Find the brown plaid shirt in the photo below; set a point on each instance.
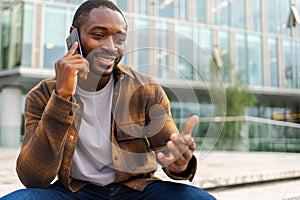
(141, 126)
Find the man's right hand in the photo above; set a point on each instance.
(66, 70)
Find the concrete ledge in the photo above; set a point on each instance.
(215, 169)
(222, 169)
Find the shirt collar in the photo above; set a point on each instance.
(120, 70)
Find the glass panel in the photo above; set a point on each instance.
(76, 2)
(288, 63)
(142, 6)
(298, 9)
(255, 60)
(166, 8)
(55, 35)
(203, 57)
(277, 13)
(272, 13)
(237, 13)
(224, 52)
(220, 12)
(255, 15)
(11, 35)
(273, 62)
(122, 5)
(162, 54)
(182, 12)
(26, 59)
(185, 52)
(241, 58)
(298, 65)
(200, 11)
(142, 45)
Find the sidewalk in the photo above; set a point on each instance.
(216, 169)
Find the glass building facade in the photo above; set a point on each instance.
(174, 41)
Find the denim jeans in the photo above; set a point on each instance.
(157, 190)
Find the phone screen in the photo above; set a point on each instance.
(71, 39)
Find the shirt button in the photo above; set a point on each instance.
(71, 113)
(116, 158)
(71, 137)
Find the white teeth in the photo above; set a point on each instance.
(105, 59)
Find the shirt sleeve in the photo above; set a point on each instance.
(160, 130)
(47, 120)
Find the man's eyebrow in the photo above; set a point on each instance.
(106, 29)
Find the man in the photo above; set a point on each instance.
(101, 127)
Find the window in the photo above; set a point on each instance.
(255, 67)
(255, 15)
(142, 6)
(166, 8)
(55, 35)
(27, 35)
(163, 52)
(11, 33)
(122, 5)
(273, 62)
(237, 11)
(249, 59)
(288, 63)
(203, 56)
(220, 12)
(277, 12)
(200, 11)
(185, 46)
(224, 52)
(142, 44)
(241, 58)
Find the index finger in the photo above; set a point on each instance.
(189, 125)
(73, 49)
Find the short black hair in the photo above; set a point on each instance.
(86, 7)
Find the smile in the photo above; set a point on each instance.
(105, 59)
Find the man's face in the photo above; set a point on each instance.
(103, 40)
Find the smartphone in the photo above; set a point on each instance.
(72, 38)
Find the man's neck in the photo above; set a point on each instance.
(93, 83)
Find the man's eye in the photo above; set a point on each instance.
(98, 35)
(119, 40)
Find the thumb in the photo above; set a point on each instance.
(189, 125)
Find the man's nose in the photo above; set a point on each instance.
(108, 44)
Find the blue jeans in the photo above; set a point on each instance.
(157, 190)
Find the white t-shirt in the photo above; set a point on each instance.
(92, 160)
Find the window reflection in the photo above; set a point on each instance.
(277, 12)
(184, 35)
(122, 4)
(166, 8)
(288, 63)
(297, 65)
(27, 35)
(224, 51)
(142, 6)
(241, 58)
(204, 50)
(220, 12)
(255, 60)
(55, 35)
(255, 15)
(162, 53)
(11, 36)
(200, 11)
(141, 52)
(273, 62)
(237, 11)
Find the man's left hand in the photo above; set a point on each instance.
(181, 148)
